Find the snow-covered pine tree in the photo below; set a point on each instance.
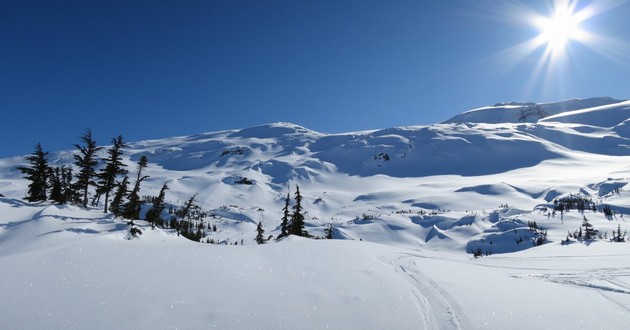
(184, 212)
(297, 218)
(154, 214)
(113, 168)
(86, 162)
(37, 172)
(589, 231)
(116, 206)
(284, 224)
(260, 239)
(132, 207)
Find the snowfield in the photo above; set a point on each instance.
(433, 229)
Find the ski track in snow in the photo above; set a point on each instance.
(607, 281)
(439, 310)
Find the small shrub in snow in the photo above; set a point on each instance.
(607, 212)
(134, 231)
(618, 236)
(381, 155)
(328, 232)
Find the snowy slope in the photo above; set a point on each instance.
(408, 206)
(70, 268)
(519, 112)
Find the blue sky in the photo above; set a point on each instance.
(153, 69)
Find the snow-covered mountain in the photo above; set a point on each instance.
(528, 112)
(409, 206)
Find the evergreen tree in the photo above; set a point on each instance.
(154, 214)
(297, 218)
(132, 208)
(589, 231)
(284, 225)
(184, 212)
(37, 172)
(116, 206)
(86, 161)
(56, 189)
(113, 168)
(260, 239)
(69, 194)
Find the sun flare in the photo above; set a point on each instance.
(558, 30)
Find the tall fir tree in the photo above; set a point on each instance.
(116, 207)
(113, 168)
(154, 214)
(37, 172)
(260, 239)
(284, 224)
(297, 218)
(86, 162)
(132, 207)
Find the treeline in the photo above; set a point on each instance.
(65, 184)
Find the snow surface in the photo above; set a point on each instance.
(408, 205)
(513, 112)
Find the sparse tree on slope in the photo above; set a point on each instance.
(184, 212)
(297, 218)
(589, 231)
(618, 236)
(37, 172)
(132, 208)
(116, 206)
(113, 168)
(260, 239)
(154, 214)
(86, 161)
(284, 225)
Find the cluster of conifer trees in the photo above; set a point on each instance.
(292, 223)
(61, 185)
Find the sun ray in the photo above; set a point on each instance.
(564, 26)
(554, 54)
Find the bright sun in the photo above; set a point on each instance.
(563, 26)
(558, 35)
(559, 29)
